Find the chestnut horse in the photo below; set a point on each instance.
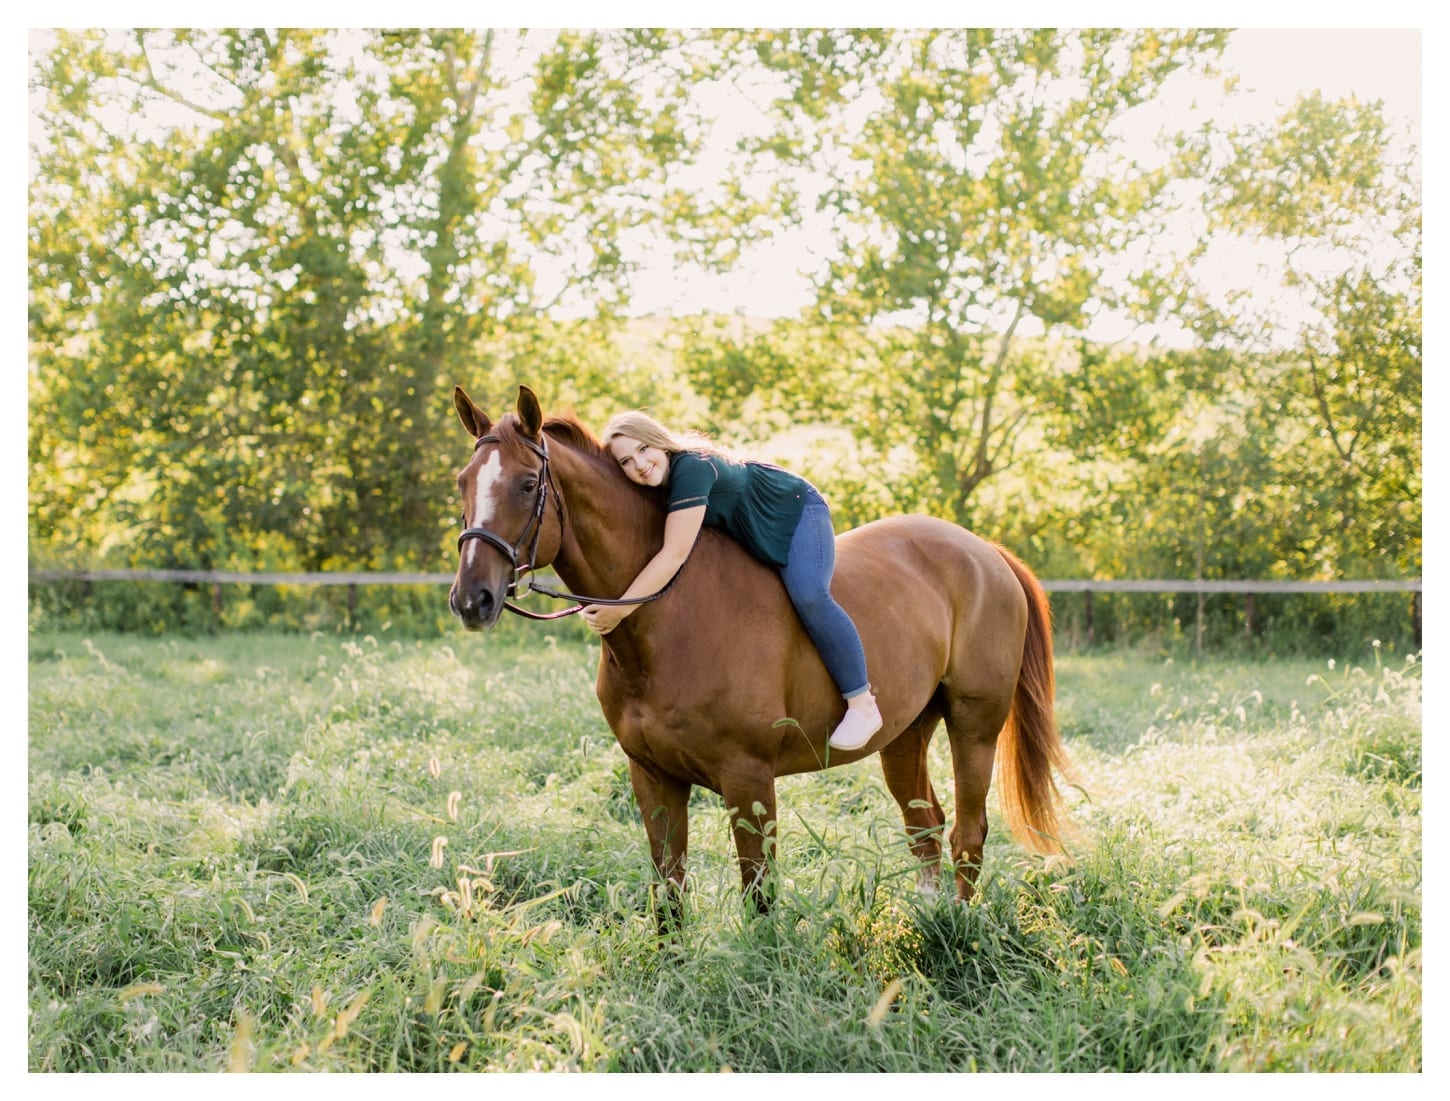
(717, 683)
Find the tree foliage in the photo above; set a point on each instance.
(985, 213)
(250, 292)
(1336, 386)
(977, 195)
(259, 260)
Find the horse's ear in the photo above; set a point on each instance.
(474, 419)
(531, 415)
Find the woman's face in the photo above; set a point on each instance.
(649, 466)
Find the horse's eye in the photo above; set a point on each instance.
(529, 485)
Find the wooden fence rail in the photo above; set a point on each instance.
(1066, 585)
(224, 577)
(1086, 586)
(1074, 585)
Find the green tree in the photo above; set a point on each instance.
(977, 196)
(1336, 372)
(260, 259)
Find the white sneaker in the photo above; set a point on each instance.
(857, 727)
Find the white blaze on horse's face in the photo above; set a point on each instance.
(487, 486)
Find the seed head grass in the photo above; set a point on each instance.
(291, 853)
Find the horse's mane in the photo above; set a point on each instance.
(566, 428)
(572, 431)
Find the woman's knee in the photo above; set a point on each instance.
(821, 614)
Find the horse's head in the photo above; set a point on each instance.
(505, 491)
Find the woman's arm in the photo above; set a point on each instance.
(681, 529)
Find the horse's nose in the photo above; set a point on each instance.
(474, 605)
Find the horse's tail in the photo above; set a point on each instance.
(1030, 747)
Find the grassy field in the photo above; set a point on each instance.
(305, 854)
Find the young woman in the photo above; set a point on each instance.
(778, 517)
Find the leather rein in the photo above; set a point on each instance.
(536, 524)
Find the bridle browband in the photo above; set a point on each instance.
(536, 523)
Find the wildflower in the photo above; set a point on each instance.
(453, 798)
(435, 767)
(436, 861)
(136, 990)
(883, 1003)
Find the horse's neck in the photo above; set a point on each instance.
(614, 528)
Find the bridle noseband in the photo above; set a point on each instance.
(536, 524)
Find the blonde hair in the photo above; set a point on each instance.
(639, 426)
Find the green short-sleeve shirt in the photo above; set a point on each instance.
(758, 504)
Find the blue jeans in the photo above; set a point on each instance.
(807, 577)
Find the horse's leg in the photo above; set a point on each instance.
(750, 797)
(904, 765)
(972, 726)
(664, 801)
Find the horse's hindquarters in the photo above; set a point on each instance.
(917, 586)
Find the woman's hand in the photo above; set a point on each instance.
(603, 617)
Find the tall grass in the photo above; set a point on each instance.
(289, 853)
